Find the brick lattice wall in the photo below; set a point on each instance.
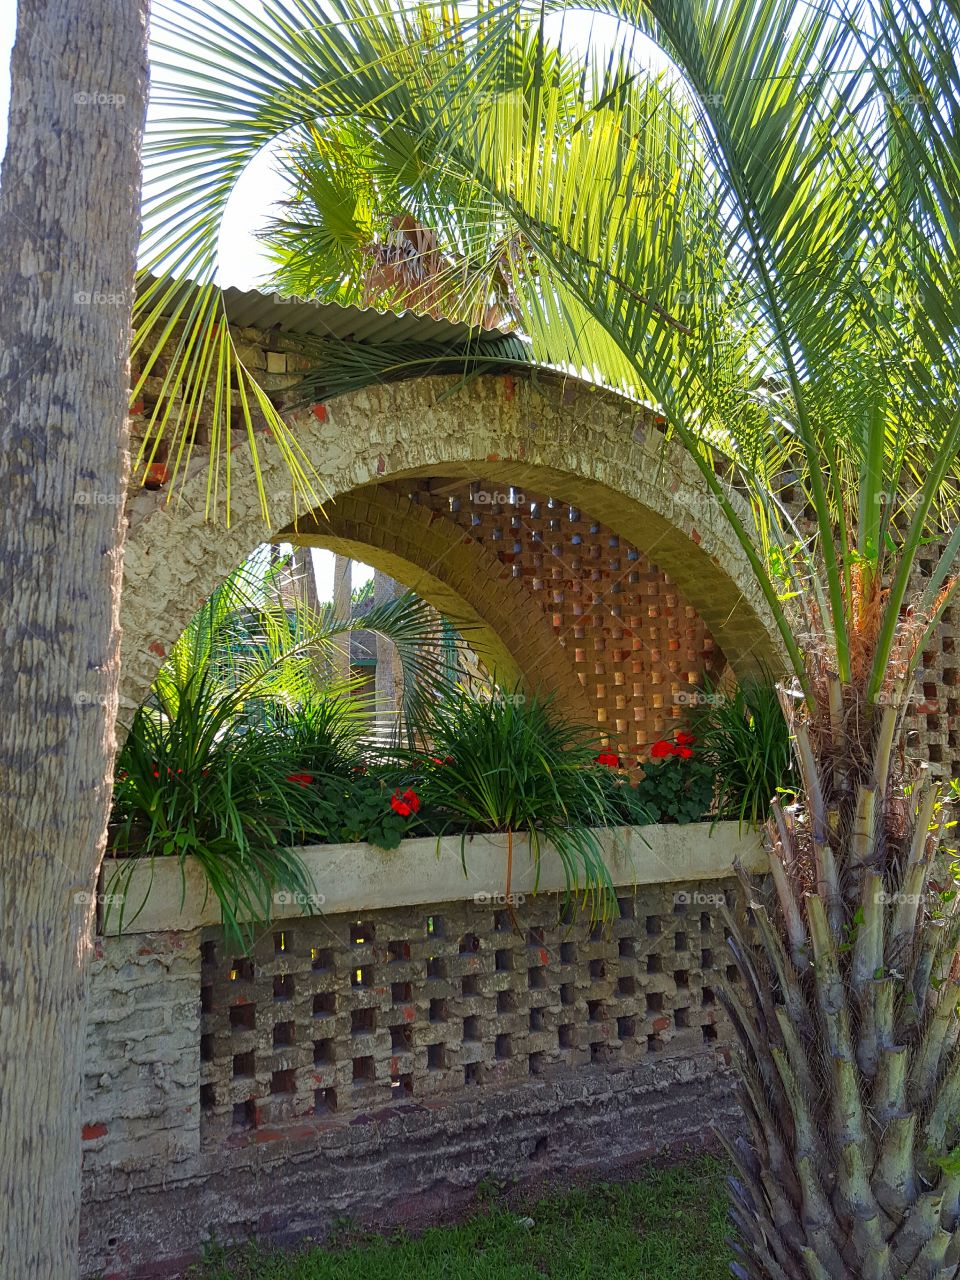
(348, 1063)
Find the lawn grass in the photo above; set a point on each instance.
(670, 1224)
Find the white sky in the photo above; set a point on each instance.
(242, 261)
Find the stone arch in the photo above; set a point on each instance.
(586, 446)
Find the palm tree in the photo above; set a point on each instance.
(68, 234)
(744, 215)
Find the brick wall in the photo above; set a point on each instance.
(362, 1066)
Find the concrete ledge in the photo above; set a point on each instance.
(361, 877)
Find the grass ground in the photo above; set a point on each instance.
(669, 1224)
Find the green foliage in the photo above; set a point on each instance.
(360, 809)
(744, 738)
(510, 762)
(188, 785)
(669, 1224)
(676, 789)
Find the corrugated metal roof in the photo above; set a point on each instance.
(271, 311)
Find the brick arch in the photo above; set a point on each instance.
(457, 575)
(589, 448)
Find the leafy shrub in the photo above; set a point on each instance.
(677, 783)
(743, 737)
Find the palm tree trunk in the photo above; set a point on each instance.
(342, 608)
(68, 233)
(847, 1024)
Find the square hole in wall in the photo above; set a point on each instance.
(206, 999)
(208, 1097)
(536, 978)
(681, 1017)
(401, 1083)
(596, 1011)
(399, 949)
(503, 960)
(627, 948)
(709, 1034)
(325, 1004)
(470, 985)
(506, 1002)
(654, 1002)
(401, 992)
(242, 970)
(324, 1051)
(469, 943)
(626, 1028)
(706, 959)
(401, 1038)
(596, 931)
(283, 1081)
(732, 972)
(705, 922)
(501, 921)
(654, 926)
(503, 1047)
(471, 1028)
(537, 1063)
(436, 1057)
(364, 1070)
(244, 1114)
(321, 958)
(243, 1017)
(363, 1021)
(435, 926)
(599, 1051)
(682, 978)
(626, 986)
(471, 1073)
(436, 968)
(654, 964)
(244, 1064)
(438, 1011)
(282, 942)
(361, 977)
(680, 942)
(537, 1019)
(324, 1101)
(598, 969)
(283, 1034)
(283, 986)
(206, 1048)
(568, 953)
(208, 952)
(708, 997)
(568, 993)
(628, 908)
(566, 1036)
(653, 1044)
(362, 932)
(535, 937)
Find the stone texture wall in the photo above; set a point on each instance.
(362, 1066)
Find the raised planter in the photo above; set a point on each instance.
(361, 877)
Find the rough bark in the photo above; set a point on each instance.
(69, 225)
(342, 608)
(387, 682)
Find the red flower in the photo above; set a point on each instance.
(660, 750)
(437, 760)
(405, 802)
(685, 739)
(303, 778)
(683, 752)
(609, 758)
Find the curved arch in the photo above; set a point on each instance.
(460, 578)
(588, 447)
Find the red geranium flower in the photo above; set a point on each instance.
(303, 778)
(405, 802)
(660, 750)
(609, 758)
(686, 739)
(683, 752)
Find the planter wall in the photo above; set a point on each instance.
(381, 1059)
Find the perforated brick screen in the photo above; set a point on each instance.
(331, 1017)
